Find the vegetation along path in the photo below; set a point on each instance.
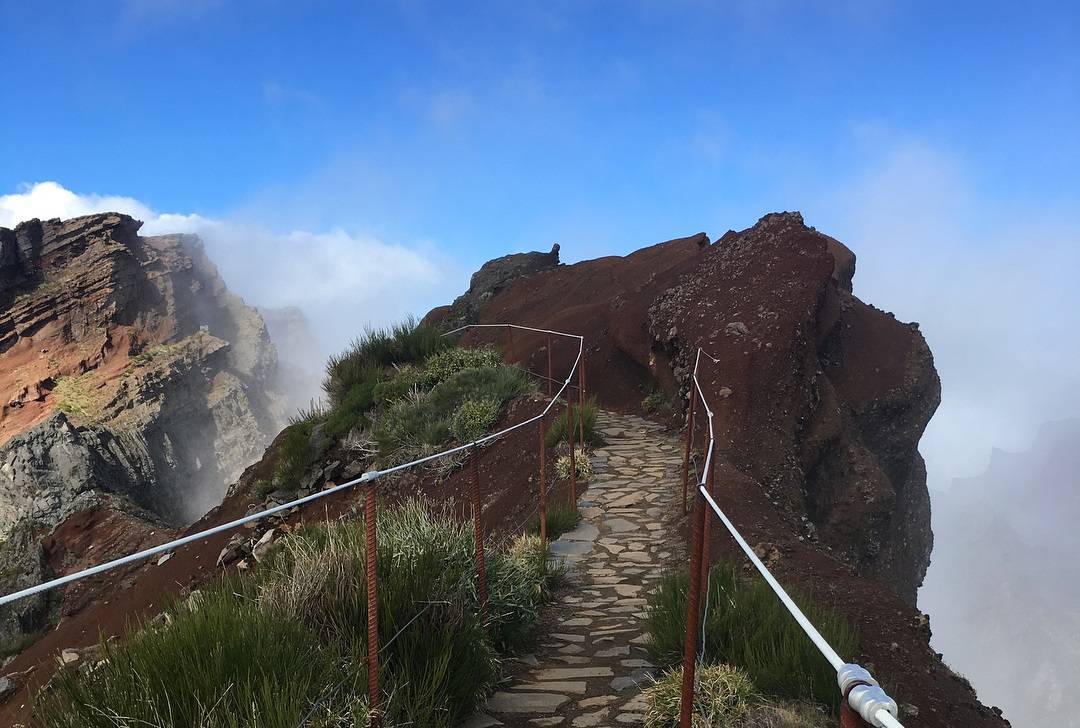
(591, 659)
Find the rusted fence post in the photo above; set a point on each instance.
(372, 603)
(849, 718)
(509, 340)
(543, 485)
(689, 445)
(686, 707)
(478, 534)
(581, 398)
(570, 439)
(706, 557)
(549, 378)
(706, 477)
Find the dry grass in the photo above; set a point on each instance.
(725, 698)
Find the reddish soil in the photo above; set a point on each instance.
(605, 300)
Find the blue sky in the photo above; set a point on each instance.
(604, 125)
(938, 140)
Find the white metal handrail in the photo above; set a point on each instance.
(862, 691)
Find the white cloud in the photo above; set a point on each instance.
(343, 281)
(993, 289)
(46, 200)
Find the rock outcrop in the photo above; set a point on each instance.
(820, 401)
(493, 277)
(129, 374)
(829, 396)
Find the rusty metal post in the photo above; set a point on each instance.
(581, 398)
(372, 603)
(689, 446)
(478, 534)
(549, 377)
(707, 479)
(509, 341)
(706, 558)
(849, 718)
(692, 600)
(543, 486)
(570, 439)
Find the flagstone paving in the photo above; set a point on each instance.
(591, 662)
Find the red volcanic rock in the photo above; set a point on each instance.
(819, 399)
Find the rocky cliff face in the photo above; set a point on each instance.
(826, 397)
(130, 379)
(159, 371)
(820, 401)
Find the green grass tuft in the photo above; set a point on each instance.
(582, 465)
(656, 402)
(747, 627)
(556, 432)
(725, 698)
(402, 343)
(285, 645)
(562, 516)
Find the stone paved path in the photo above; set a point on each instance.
(589, 664)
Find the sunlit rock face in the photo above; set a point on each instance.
(130, 378)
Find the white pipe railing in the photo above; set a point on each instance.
(367, 477)
(863, 693)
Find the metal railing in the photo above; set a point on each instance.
(371, 477)
(863, 701)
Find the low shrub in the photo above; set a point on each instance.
(352, 411)
(556, 432)
(419, 423)
(655, 403)
(473, 418)
(404, 379)
(295, 455)
(442, 365)
(500, 383)
(747, 627)
(561, 516)
(723, 698)
(582, 464)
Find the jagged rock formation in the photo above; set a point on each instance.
(822, 398)
(820, 403)
(128, 374)
(493, 277)
(828, 395)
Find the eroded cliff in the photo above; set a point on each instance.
(131, 379)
